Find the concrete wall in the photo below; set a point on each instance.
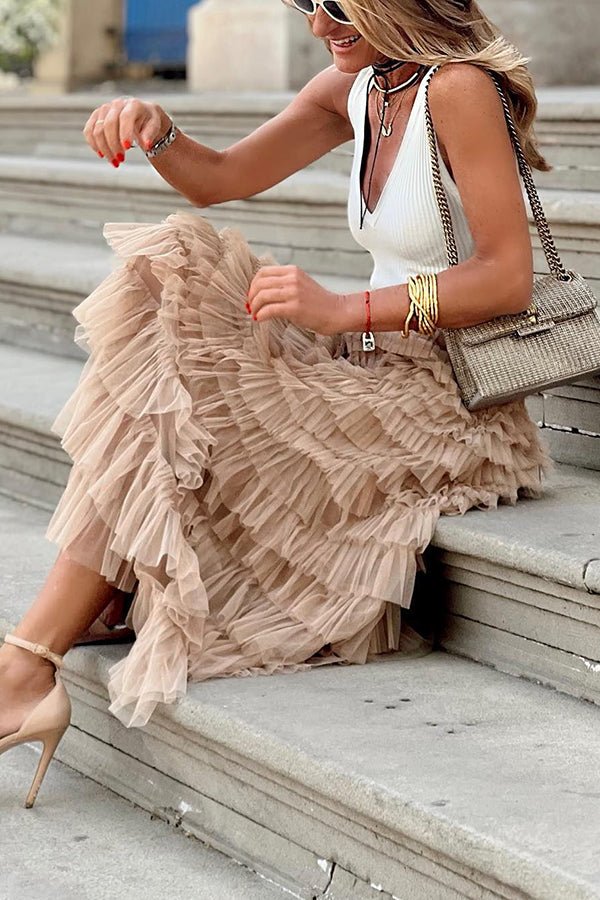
(263, 47)
(560, 36)
(88, 45)
(266, 46)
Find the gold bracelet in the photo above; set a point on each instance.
(430, 313)
(412, 289)
(422, 291)
(418, 303)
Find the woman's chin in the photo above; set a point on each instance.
(348, 61)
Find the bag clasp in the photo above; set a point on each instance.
(534, 326)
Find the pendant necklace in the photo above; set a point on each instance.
(385, 130)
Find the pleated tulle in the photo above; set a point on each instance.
(266, 492)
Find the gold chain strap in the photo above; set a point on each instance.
(552, 256)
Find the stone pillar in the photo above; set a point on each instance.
(560, 36)
(88, 46)
(251, 45)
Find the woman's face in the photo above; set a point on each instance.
(348, 59)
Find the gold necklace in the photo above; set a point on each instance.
(387, 130)
(383, 129)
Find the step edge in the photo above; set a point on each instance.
(492, 857)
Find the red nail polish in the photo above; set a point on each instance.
(101, 155)
(255, 319)
(115, 163)
(248, 308)
(126, 145)
(148, 144)
(121, 157)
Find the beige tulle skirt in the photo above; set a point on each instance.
(266, 493)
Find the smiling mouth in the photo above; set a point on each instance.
(345, 42)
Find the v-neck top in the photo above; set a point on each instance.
(404, 233)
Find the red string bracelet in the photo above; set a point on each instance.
(368, 338)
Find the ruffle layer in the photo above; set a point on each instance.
(268, 492)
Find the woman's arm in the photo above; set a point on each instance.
(312, 124)
(498, 279)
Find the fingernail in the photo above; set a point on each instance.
(255, 319)
(248, 308)
(121, 157)
(126, 145)
(101, 155)
(148, 144)
(115, 163)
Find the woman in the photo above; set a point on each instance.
(259, 478)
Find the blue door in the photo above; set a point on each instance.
(156, 31)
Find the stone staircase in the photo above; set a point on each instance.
(413, 780)
(59, 850)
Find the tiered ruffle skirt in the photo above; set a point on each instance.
(265, 492)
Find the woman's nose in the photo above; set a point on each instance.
(322, 25)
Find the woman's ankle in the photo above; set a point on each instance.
(20, 667)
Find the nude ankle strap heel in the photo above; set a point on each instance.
(47, 722)
(39, 649)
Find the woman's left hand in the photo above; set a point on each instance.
(287, 292)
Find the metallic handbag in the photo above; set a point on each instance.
(555, 341)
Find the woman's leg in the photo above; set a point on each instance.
(72, 597)
(110, 625)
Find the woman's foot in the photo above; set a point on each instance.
(25, 679)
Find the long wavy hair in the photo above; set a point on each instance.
(436, 32)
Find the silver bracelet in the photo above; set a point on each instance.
(163, 142)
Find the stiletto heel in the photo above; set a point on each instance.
(47, 722)
(51, 742)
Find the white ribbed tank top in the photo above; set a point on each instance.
(404, 233)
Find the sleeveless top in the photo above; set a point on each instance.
(404, 233)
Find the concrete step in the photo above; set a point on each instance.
(568, 127)
(291, 220)
(74, 823)
(426, 777)
(33, 386)
(42, 280)
(52, 126)
(520, 587)
(303, 220)
(570, 419)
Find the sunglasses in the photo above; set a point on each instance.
(331, 7)
(335, 11)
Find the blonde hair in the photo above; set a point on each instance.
(436, 32)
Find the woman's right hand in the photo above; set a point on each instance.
(116, 127)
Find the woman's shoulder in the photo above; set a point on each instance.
(336, 87)
(463, 99)
(455, 85)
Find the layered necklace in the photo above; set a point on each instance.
(385, 130)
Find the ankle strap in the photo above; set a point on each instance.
(35, 648)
